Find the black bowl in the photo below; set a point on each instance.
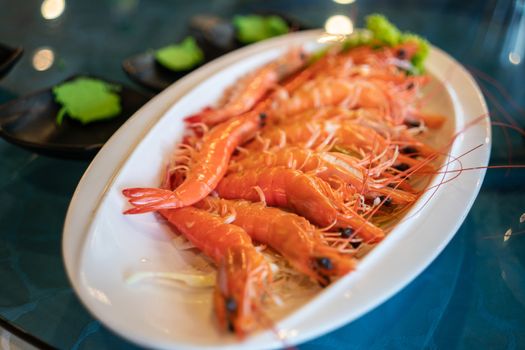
(30, 122)
(8, 57)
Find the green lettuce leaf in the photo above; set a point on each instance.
(422, 52)
(87, 100)
(382, 30)
(255, 28)
(359, 37)
(180, 57)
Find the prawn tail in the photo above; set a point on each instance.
(167, 204)
(139, 210)
(137, 192)
(150, 199)
(198, 117)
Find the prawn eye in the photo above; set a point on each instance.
(325, 263)
(409, 150)
(355, 243)
(346, 232)
(401, 166)
(386, 201)
(262, 119)
(410, 123)
(231, 305)
(401, 54)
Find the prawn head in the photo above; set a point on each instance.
(241, 285)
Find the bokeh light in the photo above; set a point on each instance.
(339, 24)
(52, 9)
(514, 58)
(344, 2)
(43, 59)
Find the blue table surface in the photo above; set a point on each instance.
(471, 296)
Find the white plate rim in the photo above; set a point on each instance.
(116, 152)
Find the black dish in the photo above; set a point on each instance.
(214, 35)
(30, 122)
(146, 71)
(8, 57)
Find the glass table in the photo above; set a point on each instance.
(471, 296)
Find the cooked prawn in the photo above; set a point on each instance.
(300, 243)
(251, 88)
(332, 167)
(210, 163)
(243, 273)
(307, 195)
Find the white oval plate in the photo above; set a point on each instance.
(101, 246)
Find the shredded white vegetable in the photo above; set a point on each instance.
(287, 282)
(191, 279)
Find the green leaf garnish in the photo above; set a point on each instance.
(422, 52)
(255, 28)
(359, 37)
(87, 100)
(381, 32)
(180, 57)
